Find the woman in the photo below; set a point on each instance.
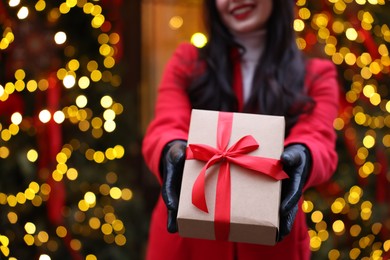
(251, 64)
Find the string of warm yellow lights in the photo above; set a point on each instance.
(339, 38)
(103, 217)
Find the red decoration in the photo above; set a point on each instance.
(56, 200)
(113, 9)
(50, 142)
(14, 103)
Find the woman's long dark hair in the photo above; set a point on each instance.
(278, 83)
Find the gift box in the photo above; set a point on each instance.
(231, 184)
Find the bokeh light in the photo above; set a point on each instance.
(176, 22)
(23, 13)
(60, 37)
(199, 39)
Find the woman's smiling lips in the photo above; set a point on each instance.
(242, 11)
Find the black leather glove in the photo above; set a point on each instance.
(171, 168)
(296, 160)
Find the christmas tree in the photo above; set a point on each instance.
(69, 152)
(349, 216)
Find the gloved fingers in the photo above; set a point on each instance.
(286, 222)
(295, 164)
(176, 154)
(291, 193)
(171, 198)
(173, 165)
(172, 224)
(172, 169)
(170, 188)
(291, 158)
(169, 191)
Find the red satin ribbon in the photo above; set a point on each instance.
(237, 154)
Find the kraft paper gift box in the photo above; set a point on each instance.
(231, 184)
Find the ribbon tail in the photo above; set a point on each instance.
(198, 191)
(189, 153)
(277, 172)
(222, 203)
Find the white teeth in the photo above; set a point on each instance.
(242, 10)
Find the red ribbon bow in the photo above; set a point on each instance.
(237, 154)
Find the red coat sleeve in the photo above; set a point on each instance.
(173, 109)
(315, 130)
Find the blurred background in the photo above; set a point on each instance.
(78, 81)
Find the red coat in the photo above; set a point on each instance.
(172, 116)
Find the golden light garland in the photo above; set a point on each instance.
(363, 72)
(103, 218)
